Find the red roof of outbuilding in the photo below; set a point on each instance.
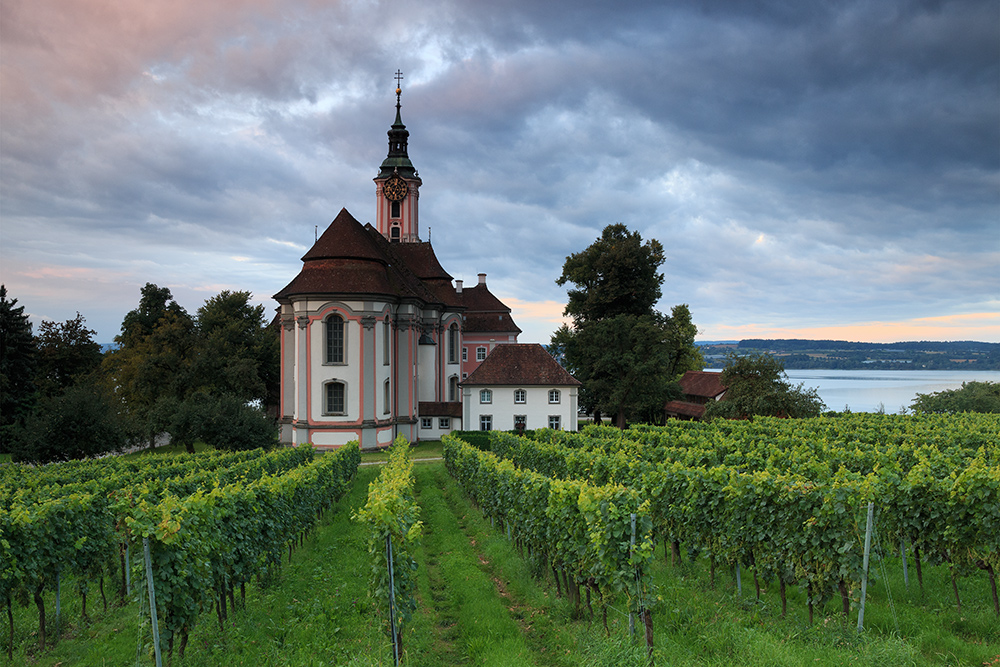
(702, 383)
(522, 364)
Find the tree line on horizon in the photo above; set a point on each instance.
(801, 354)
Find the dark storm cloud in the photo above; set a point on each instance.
(804, 163)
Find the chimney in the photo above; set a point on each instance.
(482, 278)
(458, 286)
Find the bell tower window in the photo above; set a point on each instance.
(394, 234)
(395, 212)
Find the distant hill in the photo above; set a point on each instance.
(850, 355)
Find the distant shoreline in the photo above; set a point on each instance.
(800, 354)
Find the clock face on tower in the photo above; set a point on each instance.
(395, 188)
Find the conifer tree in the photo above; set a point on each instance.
(18, 359)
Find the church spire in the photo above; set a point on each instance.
(397, 161)
(397, 184)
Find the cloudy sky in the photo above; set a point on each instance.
(813, 169)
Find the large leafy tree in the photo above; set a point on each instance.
(79, 422)
(756, 384)
(972, 397)
(618, 274)
(67, 353)
(151, 367)
(18, 358)
(236, 352)
(172, 370)
(627, 355)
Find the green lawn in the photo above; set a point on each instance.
(479, 605)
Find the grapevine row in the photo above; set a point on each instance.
(391, 513)
(582, 531)
(796, 528)
(228, 523)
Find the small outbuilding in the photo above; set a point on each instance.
(700, 388)
(518, 386)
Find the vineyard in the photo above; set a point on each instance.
(780, 498)
(599, 547)
(207, 525)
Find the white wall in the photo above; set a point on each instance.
(536, 407)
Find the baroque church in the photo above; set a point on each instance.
(377, 340)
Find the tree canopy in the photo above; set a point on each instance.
(170, 366)
(627, 354)
(972, 397)
(618, 274)
(18, 359)
(67, 353)
(76, 423)
(756, 384)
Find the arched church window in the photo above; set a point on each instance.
(453, 344)
(386, 340)
(335, 339)
(335, 398)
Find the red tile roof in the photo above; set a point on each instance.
(486, 313)
(479, 297)
(521, 364)
(489, 323)
(702, 383)
(351, 259)
(345, 238)
(421, 260)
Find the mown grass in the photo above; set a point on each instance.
(697, 625)
(480, 605)
(425, 449)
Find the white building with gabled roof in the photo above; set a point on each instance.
(520, 385)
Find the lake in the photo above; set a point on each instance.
(867, 390)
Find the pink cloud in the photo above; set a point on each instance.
(984, 326)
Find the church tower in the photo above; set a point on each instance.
(397, 185)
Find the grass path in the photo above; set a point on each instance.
(471, 623)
